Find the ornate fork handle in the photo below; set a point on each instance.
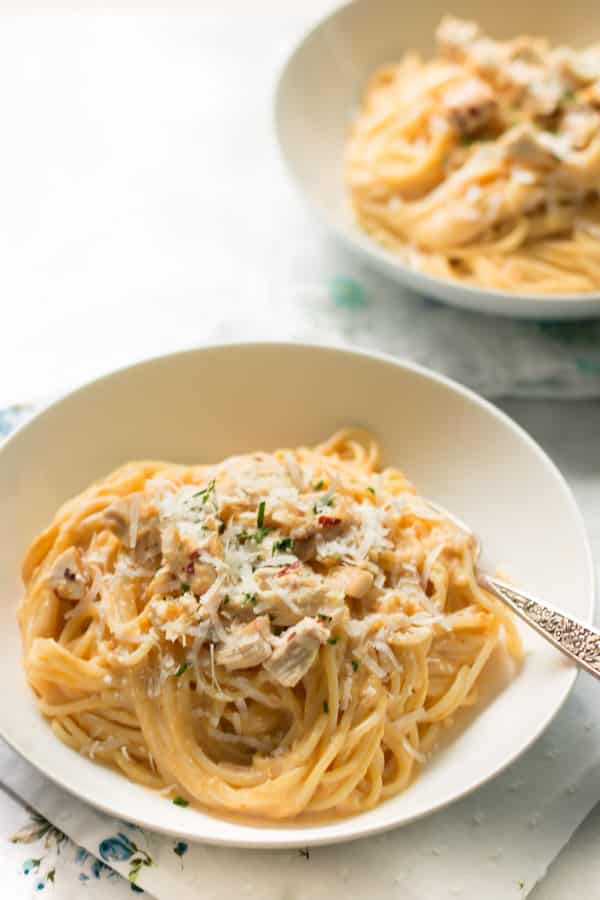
(579, 641)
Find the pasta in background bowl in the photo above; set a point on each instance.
(458, 450)
(465, 168)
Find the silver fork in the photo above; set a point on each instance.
(578, 641)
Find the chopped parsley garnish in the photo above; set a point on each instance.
(325, 500)
(324, 617)
(371, 490)
(319, 485)
(333, 640)
(260, 516)
(185, 587)
(355, 664)
(257, 536)
(226, 600)
(325, 706)
(182, 668)
(249, 599)
(206, 492)
(180, 801)
(285, 545)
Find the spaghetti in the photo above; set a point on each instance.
(483, 164)
(275, 635)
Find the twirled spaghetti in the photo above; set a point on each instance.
(483, 164)
(274, 635)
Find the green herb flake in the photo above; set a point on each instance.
(323, 501)
(284, 545)
(182, 668)
(260, 516)
(206, 492)
(324, 617)
(257, 536)
(333, 640)
(355, 665)
(325, 706)
(180, 801)
(319, 485)
(249, 599)
(226, 599)
(371, 490)
(185, 587)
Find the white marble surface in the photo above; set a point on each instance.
(93, 231)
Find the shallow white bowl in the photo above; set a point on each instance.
(202, 405)
(318, 93)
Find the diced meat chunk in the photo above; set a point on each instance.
(353, 581)
(290, 593)
(524, 145)
(246, 645)
(181, 553)
(66, 576)
(145, 537)
(295, 651)
(580, 126)
(470, 105)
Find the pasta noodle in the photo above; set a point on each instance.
(276, 635)
(483, 164)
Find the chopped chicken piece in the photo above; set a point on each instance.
(354, 582)
(580, 126)
(578, 67)
(117, 517)
(290, 593)
(470, 105)
(295, 651)
(66, 577)
(305, 548)
(181, 552)
(524, 145)
(246, 645)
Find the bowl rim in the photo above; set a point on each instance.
(585, 305)
(257, 836)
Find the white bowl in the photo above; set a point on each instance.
(205, 404)
(318, 93)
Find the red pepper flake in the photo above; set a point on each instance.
(290, 568)
(328, 521)
(291, 636)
